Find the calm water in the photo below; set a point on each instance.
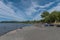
(7, 27)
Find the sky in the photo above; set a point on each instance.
(23, 10)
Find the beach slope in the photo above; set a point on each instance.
(33, 33)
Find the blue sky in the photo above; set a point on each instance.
(22, 10)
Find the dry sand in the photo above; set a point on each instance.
(33, 33)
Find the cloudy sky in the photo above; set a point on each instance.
(21, 10)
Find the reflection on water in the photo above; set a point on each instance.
(7, 27)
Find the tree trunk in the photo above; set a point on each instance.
(55, 21)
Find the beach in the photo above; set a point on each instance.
(33, 33)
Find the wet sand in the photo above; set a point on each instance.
(33, 33)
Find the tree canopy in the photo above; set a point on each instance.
(51, 17)
(44, 14)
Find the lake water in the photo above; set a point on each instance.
(7, 27)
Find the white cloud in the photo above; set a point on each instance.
(34, 4)
(10, 4)
(57, 8)
(7, 12)
(32, 9)
(38, 17)
(46, 5)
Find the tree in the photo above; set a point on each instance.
(56, 15)
(44, 14)
(51, 17)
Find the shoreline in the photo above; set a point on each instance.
(33, 33)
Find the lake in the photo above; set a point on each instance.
(7, 27)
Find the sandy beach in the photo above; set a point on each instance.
(33, 33)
